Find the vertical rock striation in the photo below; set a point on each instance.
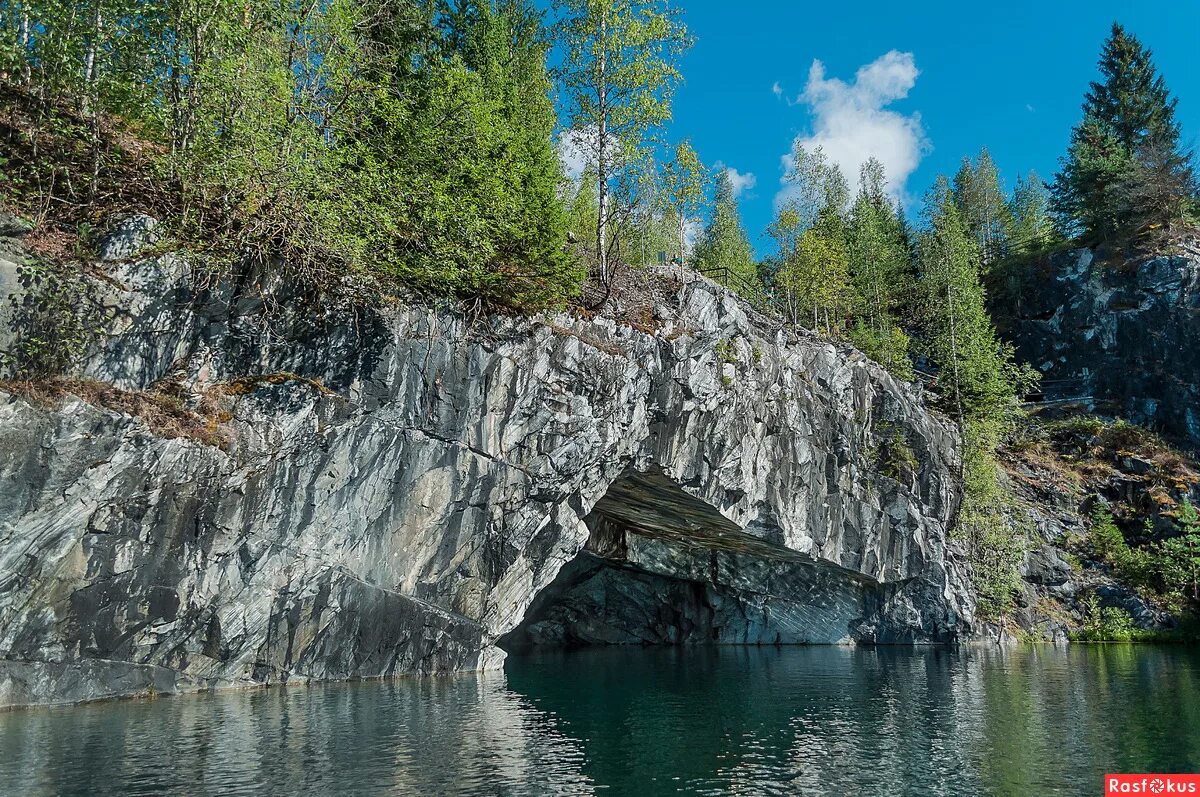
(397, 486)
(1118, 337)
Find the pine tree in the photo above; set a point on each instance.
(724, 243)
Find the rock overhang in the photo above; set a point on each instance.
(454, 474)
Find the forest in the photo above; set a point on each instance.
(415, 145)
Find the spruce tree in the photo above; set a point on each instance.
(1124, 171)
(725, 243)
(1132, 98)
(1031, 228)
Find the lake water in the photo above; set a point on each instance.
(838, 721)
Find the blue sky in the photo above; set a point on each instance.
(1010, 76)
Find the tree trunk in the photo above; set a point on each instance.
(682, 233)
(601, 156)
(26, 56)
(88, 101)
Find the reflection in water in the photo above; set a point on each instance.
(717, 721)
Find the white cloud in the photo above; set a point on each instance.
(578, 148)
(575, 149)
(692, 230)
(851, 121)
(777, 89)
(742, 181)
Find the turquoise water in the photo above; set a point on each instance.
(663, 721)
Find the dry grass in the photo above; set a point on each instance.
(248, 384)
(61, 170)
(164, 413)
(632, 297)
(588, 339)
(1089, 454)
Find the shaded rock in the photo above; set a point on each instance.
(1045, 566)
(1117, 337)
(12, 226)
(399, 485)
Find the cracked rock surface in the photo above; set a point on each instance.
(397, 486)
(1118, 337)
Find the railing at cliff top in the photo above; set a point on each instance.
(744, 287)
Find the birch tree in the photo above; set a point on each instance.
(684, 180)
(617, 79)
(982, 206)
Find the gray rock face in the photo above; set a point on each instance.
(399, 486)
(1121, 336)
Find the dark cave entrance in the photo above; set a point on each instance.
(663, 567)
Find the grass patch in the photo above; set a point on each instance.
(245, 385)
(164, 413)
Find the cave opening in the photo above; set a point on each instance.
(663, 567)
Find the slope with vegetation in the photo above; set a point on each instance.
(412, 148)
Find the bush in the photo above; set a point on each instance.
(897, 460)
(1165, 572)
(888, 347)
(1108, 624)
(53, 319)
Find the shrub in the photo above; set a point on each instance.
(53, 318)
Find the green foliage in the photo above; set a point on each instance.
(53, 318)
(1124, 171)
(617, 81)
(1132, 98)
(1031, 228)
(880, 273)
(1107, 624)
(897, 460)
(812, 276)
(980, 380)
(1166, 572)
(979, 383)
(1084, 191)
(888, 346)
(725, 243)
(816, 188)
(684, 180)
(814, 280)
(411, 141)
(983, 208)
(727, 352)
(1181, 555)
